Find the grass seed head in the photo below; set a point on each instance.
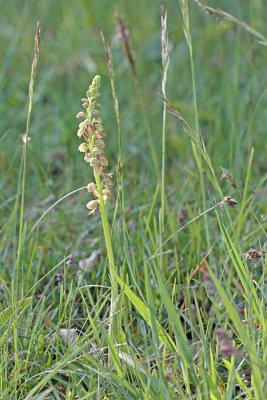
(229, 201)
(253, 254)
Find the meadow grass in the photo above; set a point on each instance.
(184, 109)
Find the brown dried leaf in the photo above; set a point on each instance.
(225, 346)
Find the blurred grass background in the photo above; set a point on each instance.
(230, 75)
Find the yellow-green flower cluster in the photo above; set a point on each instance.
(91, 130)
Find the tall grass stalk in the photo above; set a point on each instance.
(186, 27)
(21, 191)
(26, 139)
(165, 64)
(220, 14)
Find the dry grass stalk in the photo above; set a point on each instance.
(124, 38)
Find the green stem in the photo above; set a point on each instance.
(163, 160)
(112, 268)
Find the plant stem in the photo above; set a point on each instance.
(163, 159)
(165, 63)
(112, 268)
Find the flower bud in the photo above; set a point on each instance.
(83, 148)
(91, 187)
(99, 127)
(99, 143)
(81, 115)
(97, 150)
(106, 192)
(108, 182)
(80, 133)
(87, 157)
(94, 162)
(98, 120)
(93, 98)
(92, 205)
(103, 161)
(92, 92)
(95, 112)
(99, 135)
(96, 82)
